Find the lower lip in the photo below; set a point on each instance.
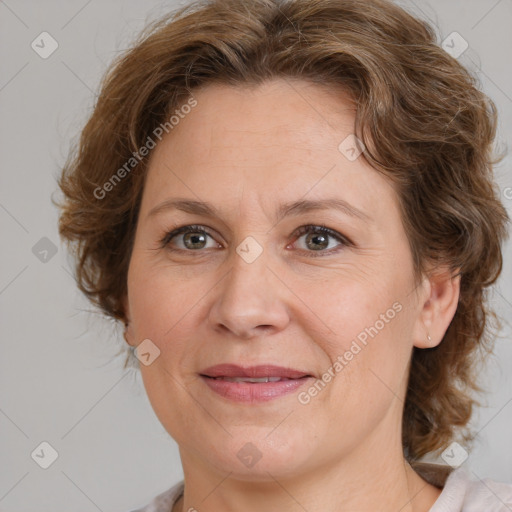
(254, 391)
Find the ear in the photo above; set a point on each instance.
(128, 328)
(438, 303)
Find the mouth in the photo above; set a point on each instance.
(255, 383)
(253, 380)
(253, 373)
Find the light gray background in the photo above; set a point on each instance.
(59, 379)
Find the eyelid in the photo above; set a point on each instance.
(178, 230)
(322, 229)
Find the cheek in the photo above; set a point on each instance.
(162, 311)
(159, 300)
(367, 340)
(349, 306)
(366, 378)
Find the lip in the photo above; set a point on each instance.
(264, 370)
(250, 392)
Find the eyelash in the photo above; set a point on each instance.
(310, 228)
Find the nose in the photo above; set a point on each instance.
(250, 300)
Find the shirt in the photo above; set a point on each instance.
(460, 492)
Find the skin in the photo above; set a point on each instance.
(246, 151)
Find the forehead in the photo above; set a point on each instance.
(278, 111)
(282, 139)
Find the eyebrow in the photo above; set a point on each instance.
(288, 209)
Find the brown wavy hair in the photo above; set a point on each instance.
(420, 113)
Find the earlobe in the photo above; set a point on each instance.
(128, 334)
(128, 337)
(126, 308)
(439, 303)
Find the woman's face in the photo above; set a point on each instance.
(259, 288)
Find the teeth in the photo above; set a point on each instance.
(250, 379)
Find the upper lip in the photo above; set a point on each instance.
(265, 370)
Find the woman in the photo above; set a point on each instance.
(291, 208)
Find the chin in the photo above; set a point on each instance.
(257, 456)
